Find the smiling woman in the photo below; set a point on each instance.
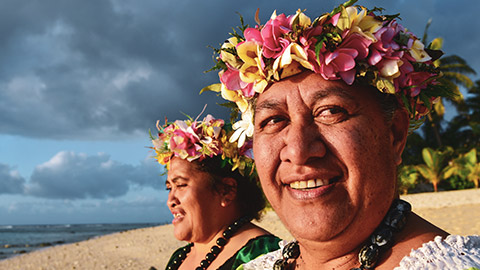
(331, 102)
(213, 195)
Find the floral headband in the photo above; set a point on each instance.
(347, 44)
(197, 140)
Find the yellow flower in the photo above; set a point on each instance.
(385, 86)
(289, 62)
(359, 22)
(417, 51)
(260, 86)
(251, 70)
(234, 96)
(228, 57)
(300, 19)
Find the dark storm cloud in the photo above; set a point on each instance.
(70, 175)
(102, 69)
(10, 180)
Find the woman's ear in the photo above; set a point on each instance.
(228, 191)
(399, 130)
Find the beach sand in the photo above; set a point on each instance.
(457, 212)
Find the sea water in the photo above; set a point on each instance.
(19, 239)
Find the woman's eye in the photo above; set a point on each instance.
(273, 123)
(332, 115)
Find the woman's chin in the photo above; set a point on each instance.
(181, 235)
(320, 222)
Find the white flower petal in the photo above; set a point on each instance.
(235, 135)
(241, 140)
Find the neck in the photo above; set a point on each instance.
(316, 256)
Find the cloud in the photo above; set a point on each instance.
(70, 175)
(10, 180)
(98, 70)
(21, 210)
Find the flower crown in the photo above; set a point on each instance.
(197, 140)
(350, 42)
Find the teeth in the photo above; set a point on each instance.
(312, 183)
(176, 215)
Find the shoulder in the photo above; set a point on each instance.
(176, 253)
(452, 252)
(266, 260)
(254, 248)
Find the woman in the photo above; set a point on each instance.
(213, 196)
(331, 102)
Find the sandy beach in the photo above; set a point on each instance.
(457, 212)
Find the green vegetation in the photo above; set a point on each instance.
(444, 154)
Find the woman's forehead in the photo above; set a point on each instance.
(311, 88)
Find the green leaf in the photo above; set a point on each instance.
(471, 156)
(428, 155)
(339, 8)
(424, 171)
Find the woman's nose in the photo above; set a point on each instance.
(172, 200)
(303, 141)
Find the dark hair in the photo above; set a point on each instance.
(388, 103)
(249, 198)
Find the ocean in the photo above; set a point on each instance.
(19, 239)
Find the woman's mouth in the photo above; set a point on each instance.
(177, 217)
(312, 188)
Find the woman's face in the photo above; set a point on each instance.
(325, 156)
(193, 202)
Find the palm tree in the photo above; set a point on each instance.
(467, 167)
(454, 74)
(407, 178)
(463, 130)
(435, 168)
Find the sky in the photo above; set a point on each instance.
(83, 82)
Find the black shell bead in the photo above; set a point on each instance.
(280, 265)
(221, 241)
(403, 206)
(210, 256)
(182, 255)
(199, 268)
(204, 263)
(368, 256)
(397, 221)
(227, 233)
(215, 250)
(382, 236)
(291, 251)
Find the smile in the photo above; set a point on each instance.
(308, 184)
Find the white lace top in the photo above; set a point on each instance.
(454, 252)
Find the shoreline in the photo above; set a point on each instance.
(457, 212)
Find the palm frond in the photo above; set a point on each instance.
(457, 78)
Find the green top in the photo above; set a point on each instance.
(252, 249)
